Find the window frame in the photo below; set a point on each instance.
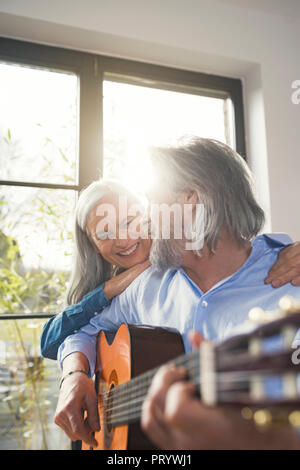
(91, 70)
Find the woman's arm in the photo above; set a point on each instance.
(70, 320)
(74, 317)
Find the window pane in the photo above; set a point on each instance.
(28, 390)
(38, 125)
(136, 117)
(36, 245)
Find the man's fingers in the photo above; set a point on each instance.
(153, 424)
(162, 380)
(92, 413)
(176, 409)
(64, 425)
(92, 441)
(153, 406)
(81, 429)
(195, 338)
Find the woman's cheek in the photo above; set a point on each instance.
(105, 248)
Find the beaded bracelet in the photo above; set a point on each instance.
(70, 373)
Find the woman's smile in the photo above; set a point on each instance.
(130, 251)
(123, 249)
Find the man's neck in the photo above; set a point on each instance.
(210, 268)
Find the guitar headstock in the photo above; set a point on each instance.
(259, 371)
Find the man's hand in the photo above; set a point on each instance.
(174, 418)
(77, 397)
(287, 267)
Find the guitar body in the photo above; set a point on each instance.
(132, 351)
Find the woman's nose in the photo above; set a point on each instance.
(122, 242)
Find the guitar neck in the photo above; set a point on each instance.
(231, 373)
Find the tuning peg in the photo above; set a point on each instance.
(264, 418)
(261, 417)
(258, 315)
(288, 304)
(294, 418)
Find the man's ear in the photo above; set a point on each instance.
(188, 196)
(192, 197)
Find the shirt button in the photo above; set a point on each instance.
(75, 331)
(96, 313)
(204, 303)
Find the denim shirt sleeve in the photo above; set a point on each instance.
(56, 330)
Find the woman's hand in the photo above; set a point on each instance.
(117, 284)
(287, 267)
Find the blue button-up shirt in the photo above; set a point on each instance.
(172, 299)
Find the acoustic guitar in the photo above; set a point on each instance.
(232, 373)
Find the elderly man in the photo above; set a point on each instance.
(209, 289)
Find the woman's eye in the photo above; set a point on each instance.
(125, 224)
(129, 222)
(103, 236)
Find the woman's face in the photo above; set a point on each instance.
(117, 246)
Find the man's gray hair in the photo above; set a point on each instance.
(223, 183)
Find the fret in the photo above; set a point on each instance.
(208, 385)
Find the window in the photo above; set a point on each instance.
(66, 118)
(136, 117)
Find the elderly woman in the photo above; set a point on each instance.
(105, 262)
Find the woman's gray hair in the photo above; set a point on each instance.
(223, 183)
(90, 269)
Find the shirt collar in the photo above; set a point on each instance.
(260, 245)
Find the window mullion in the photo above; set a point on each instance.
(90, 122)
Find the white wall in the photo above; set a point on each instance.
(254, 40)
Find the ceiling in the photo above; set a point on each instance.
(288, 8)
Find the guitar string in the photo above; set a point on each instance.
(133, 412)
(126, 394)
(177, 361)
(137, 401)
(125, 406)
(122, 391)
(180, 361)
